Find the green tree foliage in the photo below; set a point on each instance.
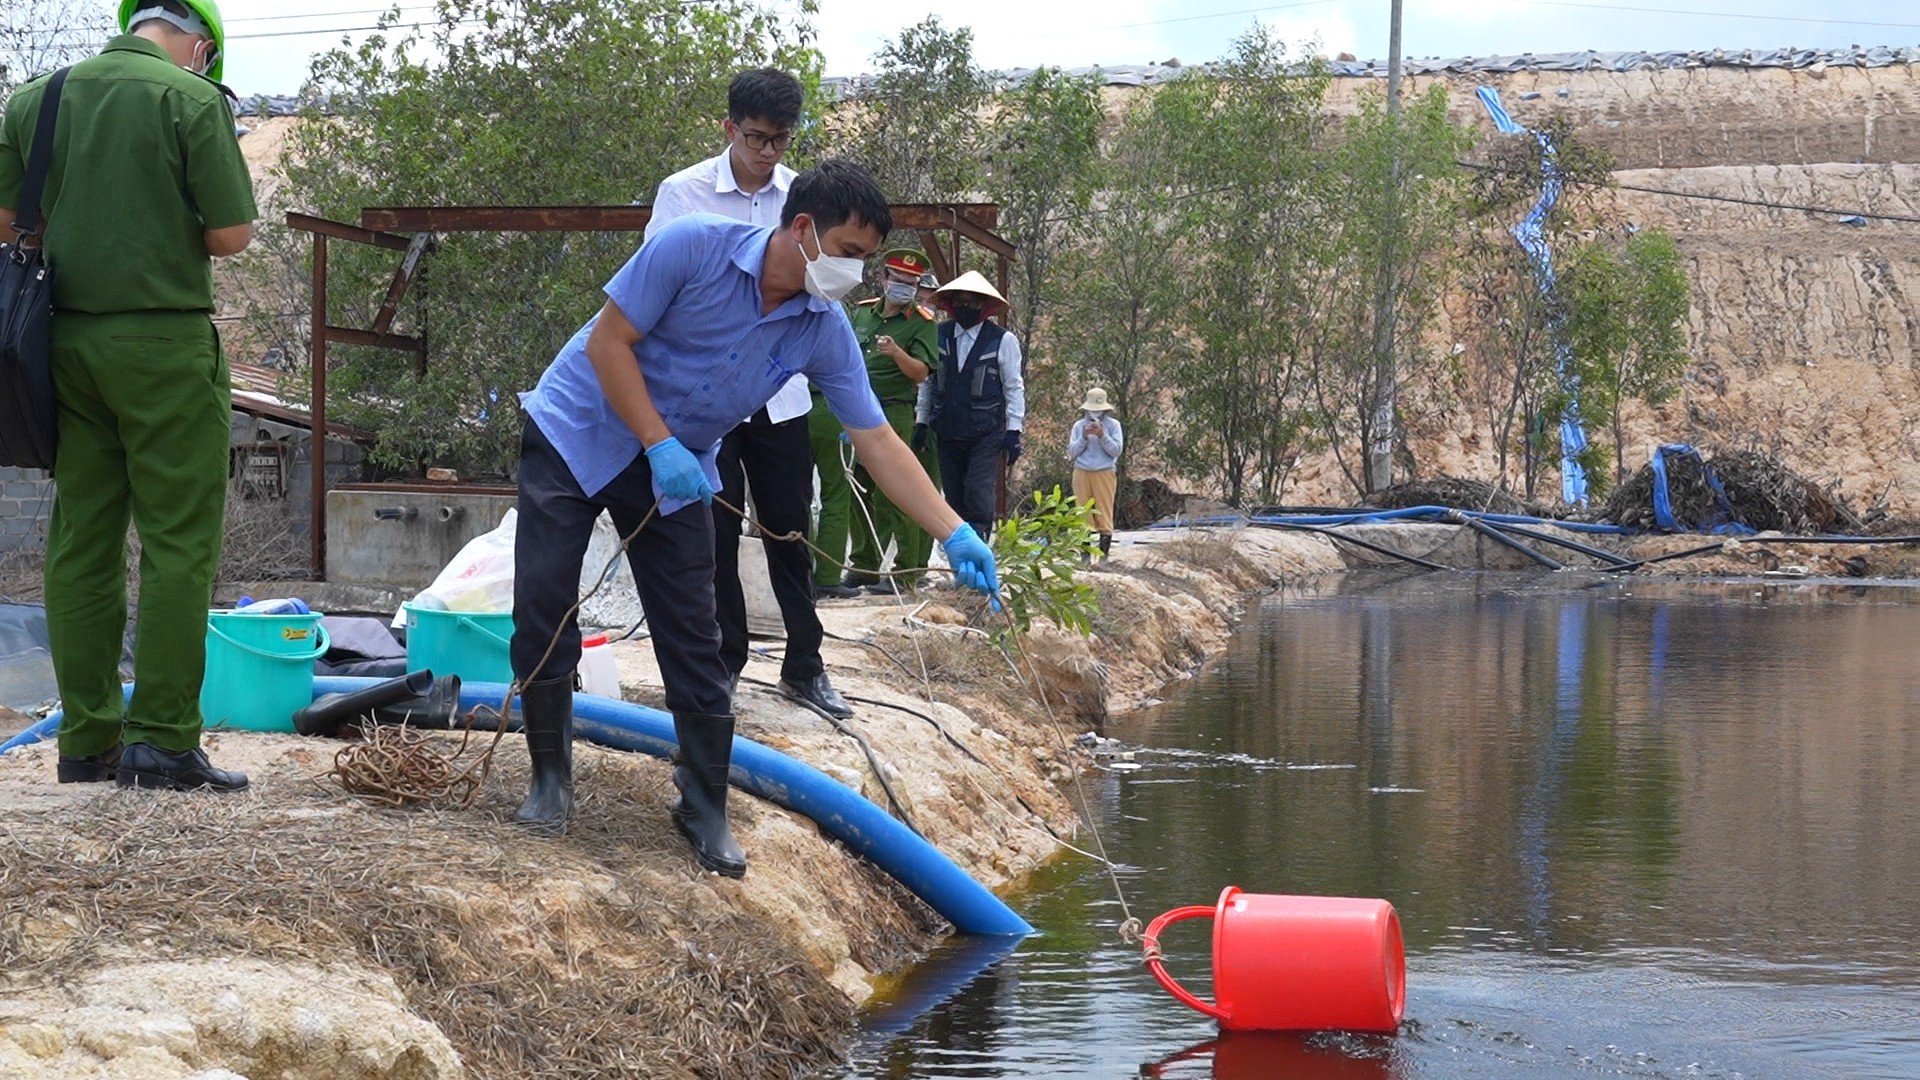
(1390, 209)
(1241, 139)
(503, 102)
(1119, 314)
(1043, 160)
(1627, 322)
(920, 124)
(1039, 552)
(1507, 373)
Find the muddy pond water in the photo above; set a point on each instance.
(1631, 827)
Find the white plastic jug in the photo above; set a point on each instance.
(599, 675)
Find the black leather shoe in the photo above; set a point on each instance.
(546, 714)
(144, 765)
(890, 587)
(92, 769)
(834, 592)
(819, 693)
(700, 772)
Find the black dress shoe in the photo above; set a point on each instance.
(834, 592)
(92, 769)
(147, 766)
(890, 587)
(819, 693)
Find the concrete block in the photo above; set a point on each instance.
(363, 549)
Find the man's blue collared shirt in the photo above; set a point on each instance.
(708, 355)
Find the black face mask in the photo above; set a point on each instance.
(968, 315)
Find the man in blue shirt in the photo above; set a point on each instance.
(701, 327)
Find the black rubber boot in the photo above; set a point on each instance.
(1106, 546)
(546, 712)
(700, 772)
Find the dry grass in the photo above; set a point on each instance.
(602, 954)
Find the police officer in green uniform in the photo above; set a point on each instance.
(146, 183)
(896, 335)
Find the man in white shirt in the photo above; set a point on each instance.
(770, 450)
(976, 401)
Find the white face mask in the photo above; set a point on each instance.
(901, 292)
(831, 277)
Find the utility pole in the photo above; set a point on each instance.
(1386, 300)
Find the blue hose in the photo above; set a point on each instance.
(46, 728)
(846, 816)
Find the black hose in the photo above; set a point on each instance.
(1325, 530)
(1704, 549)
(1491, 533)
(1588, 550)
(873, 759)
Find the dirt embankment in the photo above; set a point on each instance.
(296, 932)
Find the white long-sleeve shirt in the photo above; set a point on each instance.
(1013, 383)
(1095, 453)
(709, 187)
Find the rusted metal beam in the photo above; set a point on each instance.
(986, 238)
(346, 335)
(317, 442)
(340, 230)
(941, 267)
(383, 319)
(982, 216)
(446, 219)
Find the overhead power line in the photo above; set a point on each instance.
(1703, 196)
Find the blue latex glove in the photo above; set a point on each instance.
(678, 472)
(972, 562)
(1010, 445)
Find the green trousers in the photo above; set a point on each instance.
(836, 495)
(891, 524)
(144, 406)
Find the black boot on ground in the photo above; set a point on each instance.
(700, 772)
(1106, 546)
(144, 765)
(546, 713)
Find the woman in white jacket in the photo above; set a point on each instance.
(1094, 448)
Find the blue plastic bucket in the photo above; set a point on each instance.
(474, 645)
(259, 669)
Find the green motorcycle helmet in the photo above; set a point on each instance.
(209, 13)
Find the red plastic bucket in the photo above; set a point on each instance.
(1296, 963)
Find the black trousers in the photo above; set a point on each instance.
(776, 461)
(672, 560)
(969, 477)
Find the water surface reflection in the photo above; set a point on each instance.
(1648, 828)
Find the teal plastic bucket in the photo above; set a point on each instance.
(259, 669)
(474, 645)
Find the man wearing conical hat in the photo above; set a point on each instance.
(976, 401)
(896, 335)
(1094, 448)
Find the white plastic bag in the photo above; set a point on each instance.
(480, 577)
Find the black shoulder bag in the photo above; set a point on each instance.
(27, 437)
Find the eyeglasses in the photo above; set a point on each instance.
(757, 140)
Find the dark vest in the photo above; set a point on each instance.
(969, 403)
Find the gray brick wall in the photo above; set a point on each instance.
(26, 498)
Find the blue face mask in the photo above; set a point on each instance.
(901, 292)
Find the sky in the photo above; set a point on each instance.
(1071, 33)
